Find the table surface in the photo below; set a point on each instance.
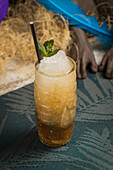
(91, 146)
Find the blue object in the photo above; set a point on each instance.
(78, 18)
(4, 4)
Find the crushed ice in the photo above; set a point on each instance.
(55, 65)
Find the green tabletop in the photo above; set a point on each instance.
(91, 146)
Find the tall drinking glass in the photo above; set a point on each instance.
(55, 105)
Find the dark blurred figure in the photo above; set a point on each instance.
(100, 8)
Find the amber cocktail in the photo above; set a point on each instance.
(55, 100)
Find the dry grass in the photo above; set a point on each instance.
(15, 35)
(106, 13)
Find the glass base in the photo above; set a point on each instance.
(54, 136)
(55, 143)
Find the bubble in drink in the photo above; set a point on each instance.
(55, 98)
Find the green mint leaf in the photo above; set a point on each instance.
(42, 50)
(41, 54)
(41, 47)
(53, 52)
(48, 45)
(46, 49)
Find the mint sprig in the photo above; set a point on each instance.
(46, 49)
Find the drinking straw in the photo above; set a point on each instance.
(35, 41)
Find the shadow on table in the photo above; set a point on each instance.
(25, 144)
(27, 149)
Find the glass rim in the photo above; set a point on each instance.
(62, 75)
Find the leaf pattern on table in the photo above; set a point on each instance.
(3, 123)
(96, 152)
(21, 102)
(91, 146)
(97, 148)
(95, 98)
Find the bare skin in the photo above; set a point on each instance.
(107, 64)
(86, 56)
